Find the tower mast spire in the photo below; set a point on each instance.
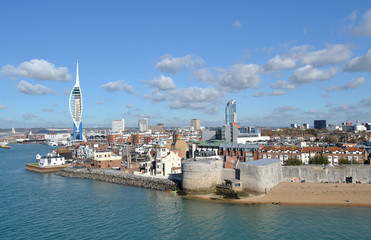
(77, 74)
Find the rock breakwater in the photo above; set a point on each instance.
(119, 177)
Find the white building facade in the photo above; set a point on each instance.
(118, 126)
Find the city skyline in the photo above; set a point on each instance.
(170, 62)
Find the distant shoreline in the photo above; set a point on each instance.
(314, 194)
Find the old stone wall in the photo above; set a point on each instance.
(317, 173)
(201, 175)
(119, 177)
(260, 178)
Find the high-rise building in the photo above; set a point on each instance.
(118, 126)
(75, 105)
(195, 123)
(143, 125)
(230, 112)
(306, 125)
(320, 124)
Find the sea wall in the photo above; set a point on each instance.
(119, 177)
(317, 173)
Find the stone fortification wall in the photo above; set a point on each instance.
(201, 175)
(119, 177)
(316, 173)
(228, 173)
(260, 178)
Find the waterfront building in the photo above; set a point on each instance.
(230, 112)
(143, 125)
(320, 124)
(51, 159)
(167, 161)
(106, 159)
(195, 124)
(75, 105)
(118, 126)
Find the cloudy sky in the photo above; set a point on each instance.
(170, 61)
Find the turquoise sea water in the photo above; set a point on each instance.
(46, 206)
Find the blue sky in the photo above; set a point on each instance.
(171, 61)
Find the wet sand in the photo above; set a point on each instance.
(340, 194)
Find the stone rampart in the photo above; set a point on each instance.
(201, 175)
(119, 177)
(260, 178)
(319, 173)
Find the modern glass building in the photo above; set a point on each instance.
(75, 104)
(230, 112)
(320, 124)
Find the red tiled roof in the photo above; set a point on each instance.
(311, 149)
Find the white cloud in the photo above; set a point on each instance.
(48, 110)
(128, 88)
(237, 24)
(364, 29)
(194, 97)
(352, 16)
(156, 96)
(113, 86)
(312, 112)
(354, 83)
(359, 64)
(38, 69)
(273, 93)
(366, 102)
(162, 83)
(279, 62)
(2, 106)
(239, 77)
(282, 84)
(332, 54)
(203, 75)
(205, 99)
(308, 74)
(118, 86)
(37, 89)
(169, 64)
(284, 109)
(129, 105)
(29, 116)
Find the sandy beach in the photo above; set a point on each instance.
(341, 194)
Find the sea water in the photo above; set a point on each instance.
(45, 206)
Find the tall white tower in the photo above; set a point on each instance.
(75, 104)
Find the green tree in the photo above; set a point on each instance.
(293, 162)
(362, 139)
(319, 159)
(346, 161)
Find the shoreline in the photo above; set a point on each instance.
(307, 194)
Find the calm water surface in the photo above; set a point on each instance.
(46, 206)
